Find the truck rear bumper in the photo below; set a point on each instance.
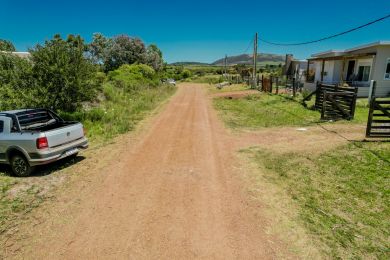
(52, 155)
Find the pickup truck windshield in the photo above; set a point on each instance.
(34, 119)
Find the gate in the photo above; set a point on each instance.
(335, 102)
(378, 123)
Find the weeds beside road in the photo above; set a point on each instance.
(341, 193)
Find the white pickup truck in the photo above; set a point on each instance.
(32, 137)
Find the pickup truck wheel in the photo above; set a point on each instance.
(20, 166)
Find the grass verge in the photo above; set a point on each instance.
(342, 196)
(263, 110)
(231, 88)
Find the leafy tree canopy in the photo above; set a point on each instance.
(63, 73)
(6, 45)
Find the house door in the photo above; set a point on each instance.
(351, 69)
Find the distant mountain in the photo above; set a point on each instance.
(189, 63)
(248, 59)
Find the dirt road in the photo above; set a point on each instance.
(175, 194)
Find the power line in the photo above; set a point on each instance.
(250, 45)
(327, 37)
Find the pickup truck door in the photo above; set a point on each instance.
(3, 130)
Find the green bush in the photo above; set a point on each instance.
(134, 77)
(18, 87)
(65, 78)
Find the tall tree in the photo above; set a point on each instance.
(99, 47)
(154, 57)
(125, 50)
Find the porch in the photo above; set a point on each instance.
(341, 69)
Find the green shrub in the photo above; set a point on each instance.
(134, 77)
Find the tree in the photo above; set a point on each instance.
(124, 50)
(63, 74)
(154, 57)
(17, 84)
(6, 46)
(99, 47)
(242, 70)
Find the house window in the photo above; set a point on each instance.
(387, 73)
(363, 73)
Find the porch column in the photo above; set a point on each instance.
(322, 70)
(342, 72)
(307, 69)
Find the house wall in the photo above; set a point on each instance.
(337, 70)
(333, 69)
(317, 67)
(382, 85)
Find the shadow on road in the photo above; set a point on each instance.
(48, 169)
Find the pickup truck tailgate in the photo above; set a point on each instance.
(64, 135)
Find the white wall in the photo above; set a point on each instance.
(317, 67)
(383, 86)
(337, 70)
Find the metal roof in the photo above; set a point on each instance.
(373, 44)
(336, 53)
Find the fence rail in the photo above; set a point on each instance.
(334, 102)
(378, 123)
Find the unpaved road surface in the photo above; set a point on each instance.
(175, 194)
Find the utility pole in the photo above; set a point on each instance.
(254, 81)
(225, 65)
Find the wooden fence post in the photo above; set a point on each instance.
(371, 111)
(372, 82)
(277, 85)
(293, 86)
(353, 104)
(323, 110)
(262, 82)
(270, 84)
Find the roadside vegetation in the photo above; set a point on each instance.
(109, 85)
(263, 110)
(230, 88)
(342, 195)
(267, 110)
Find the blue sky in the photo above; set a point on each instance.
(201, 30)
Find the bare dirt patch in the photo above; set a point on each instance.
(308, 140)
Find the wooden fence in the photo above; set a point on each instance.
(378, 123)
(334, 102)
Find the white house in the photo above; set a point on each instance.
(294, 68)
(355, 67)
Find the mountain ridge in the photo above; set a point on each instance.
(246, 59)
